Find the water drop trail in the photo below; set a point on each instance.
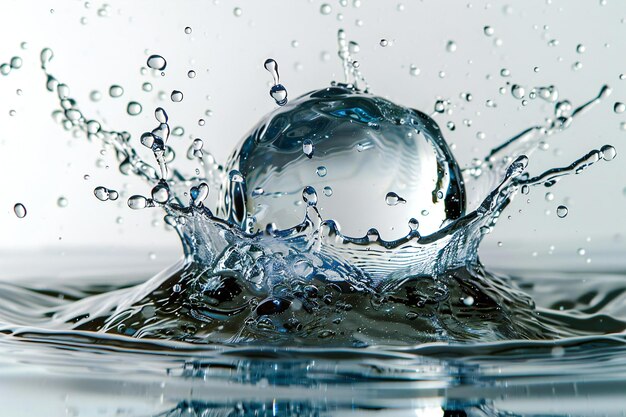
(278, 92)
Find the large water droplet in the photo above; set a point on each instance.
(561, 211)
(277, 158)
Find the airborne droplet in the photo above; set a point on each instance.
(133, 108)
(19, 210)
(116, 91)
(137, 202)
(157, 62)
(176, 96)
(278, 92)
(393, 199)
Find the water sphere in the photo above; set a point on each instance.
(369, 147)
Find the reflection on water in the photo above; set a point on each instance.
(81, 373)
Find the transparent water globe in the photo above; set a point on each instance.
(372, 163)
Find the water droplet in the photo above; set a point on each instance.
(608, 152)
(440, 106)
(160, 115)
(19, 210)
(451, 46)
(326, 9)
(200, 193)
(45, 57)
(414, 71)
(549, 196)
(619, 107)
(176, 96)
(581, 251)
(328, 191)
(393, 199)
(116, 91)
(137, 202)
(384, 42)
(16, 62)
(580, 48)
(561, 211)
(156, 62)
(518, 91)
(104, 194)
(133, 108)
(488, 31)
(187, 30)
(146, 87)
(278, 92)
(307, 147)
(237, 11)
(309, 195)
(191, 74)
(62, 202)
(160, 193)
(321, 171)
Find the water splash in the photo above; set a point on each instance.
(273, 267)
